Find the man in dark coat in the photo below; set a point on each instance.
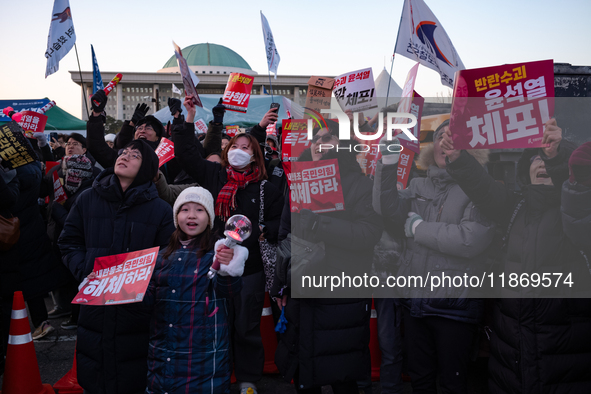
(538, 344)
(120, 213)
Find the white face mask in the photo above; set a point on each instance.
(238, 158)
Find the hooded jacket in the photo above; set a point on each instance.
(538, 345)
(112, 346)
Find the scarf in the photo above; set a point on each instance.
(226, 200)
(78, 169)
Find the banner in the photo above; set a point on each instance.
(96, 74)
(200, 126)
(355, 90)
(237, 94)
(59, 194)
(165, 151)
(61, 36)
(316, 185)
(270, 49)
(120, 279)
(15, 150)
(422, 38)
(232, 130)
(32, 122)
(190, 80)
(21, 105)
(502, 107)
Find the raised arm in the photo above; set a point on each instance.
(95, 132)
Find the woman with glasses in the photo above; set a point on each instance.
(120, 213)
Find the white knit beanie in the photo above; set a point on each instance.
(198, 195)
(110, 137)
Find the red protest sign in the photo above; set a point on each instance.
(232, 130)
(200, 126)
(404, 166)
(272, 128)
(502, 107)
(294, 138)
(316, 185)
(32, 122)
(237, 94)
(165, 151)
(59, 194)
(120, 279)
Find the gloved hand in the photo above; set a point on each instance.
(41, 139)
(98, 101)
(218, 112)
(580, 165)
(174, 105)
(140, 113)
(309, 221)
(411, 224)
(390, 150)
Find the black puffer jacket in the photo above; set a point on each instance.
(112, 343)
(212, 176)
(538, 345)
(327, 339)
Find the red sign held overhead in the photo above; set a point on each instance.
(165, 151)
(237, 94)
(502, 107)
(232, 130)
(32, 122)
(316, 185)
(120, 279)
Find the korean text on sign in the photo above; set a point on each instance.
(165, 151)
(316, 186)
(120, 279)
(503, 107)
(355, 90)
(15, 150)
(237, 94)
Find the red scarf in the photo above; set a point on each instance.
(226, 201)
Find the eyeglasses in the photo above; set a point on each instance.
(323, 138)
(144, 127)
(131, 154)
(72, 144)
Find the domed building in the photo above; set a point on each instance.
(211, 63)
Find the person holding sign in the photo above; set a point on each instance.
(444, 232)
(544, 233)
(190, 329)
(237, 185)
(120, 213)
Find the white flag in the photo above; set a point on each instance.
(422, 38)
(176, 90)
(272, 54)
(61, 35)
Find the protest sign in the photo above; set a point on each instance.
(200, 126)
(355, 90)
(59, 194)
(190, 80)
(272, 128)
(120, 279)
(232, 130)
(20, 106)
(318, 95)
(404, 165)
(294, 138)
(237, 94)
(502, 107)
(316, 185)
(15, 150)
(165, 151)
(32, 122)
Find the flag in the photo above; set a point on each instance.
(97, 83)
(272, 54)
(422, 38)
(176, 90)
(265, 91)
(61, 35)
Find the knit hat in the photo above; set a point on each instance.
(149, 167)
(78, 169)
(197, 195)
(580, 165)
(155, 123)
(110, 137)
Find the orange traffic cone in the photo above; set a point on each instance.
(269, 337)
(68, 384)
(21, 375)
(374, 345)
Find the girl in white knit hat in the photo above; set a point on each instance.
(189, 333)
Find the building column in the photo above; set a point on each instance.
(296, 94)
(262, 86)
(119, 101)
(155, 103)
(84, 101)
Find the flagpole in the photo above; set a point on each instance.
(270, 86)
(82, 82)
(394, 54)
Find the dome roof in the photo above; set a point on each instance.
(209, 55)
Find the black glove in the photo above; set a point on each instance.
(174, 105)
(218, 112)
(309, 221)
(99, 101)
(140, 113)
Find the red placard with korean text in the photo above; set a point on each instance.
(59, 194)
(294, 140)
(32, 122)
(502, 107)
(165, 151)
(237, 94)
(200, 126)
(232, 130)
(316, 185)
(120, 279)
(15, 150)
(404, 166)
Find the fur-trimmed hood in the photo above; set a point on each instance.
(426, 157)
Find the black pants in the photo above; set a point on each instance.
(37, 310)
(438, 346)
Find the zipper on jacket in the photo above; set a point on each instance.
(130, 233)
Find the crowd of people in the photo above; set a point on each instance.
(192, 330)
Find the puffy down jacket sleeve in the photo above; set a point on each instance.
(71, 241)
